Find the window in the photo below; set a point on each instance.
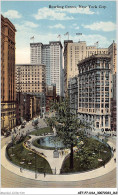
(106, 65)
(97, 124)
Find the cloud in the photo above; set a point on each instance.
(74, 24)
(50, 14)
(77, 27)
(57, 26)
(60, 14)
(12, 14)
(101, 26)
(30, 24)
(25, 26)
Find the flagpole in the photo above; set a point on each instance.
(32, 38)
(67, 34)
(97, 47)
(79, 35)
(59, 36)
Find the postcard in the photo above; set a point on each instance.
(58, 97)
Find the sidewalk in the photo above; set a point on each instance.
(67, 177)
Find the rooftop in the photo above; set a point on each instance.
(94, 57)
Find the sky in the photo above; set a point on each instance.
(45, 20)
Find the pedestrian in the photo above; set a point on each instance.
(115, 160)
(20, 169)
(44, 174)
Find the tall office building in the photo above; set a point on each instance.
(56, 65)
(36, 53)
(8, 92)
(51, 56)
(46, 61)
(94, 91)
(74, 52)
(30, 78)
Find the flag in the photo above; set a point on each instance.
(58, 36)
(31, 38)
(67, 33)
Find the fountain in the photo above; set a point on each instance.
(51, 142)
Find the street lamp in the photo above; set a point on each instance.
(35, 167)
(12, 147)
(24, 108)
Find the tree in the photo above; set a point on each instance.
(36, 128)
(67, 125)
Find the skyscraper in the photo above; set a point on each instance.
(56, 65)
(51, 56)
(8, 92)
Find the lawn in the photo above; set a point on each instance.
(91, 155)
(41, 131)
(31, 161)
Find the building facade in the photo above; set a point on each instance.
(112, 51)
(51, 56)
(30, 78)
(73, 94)
(36, 53)
(50, 95)
(8, 91)
(114, 105)
(46, 61)
(66, 66)
(94, 91)
(74, 52)
(27, 107)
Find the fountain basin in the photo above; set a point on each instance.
(51, 142)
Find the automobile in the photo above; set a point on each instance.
(22, 126)
(107, 135)
(35, 122)
(7, 133)
(24, 123)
